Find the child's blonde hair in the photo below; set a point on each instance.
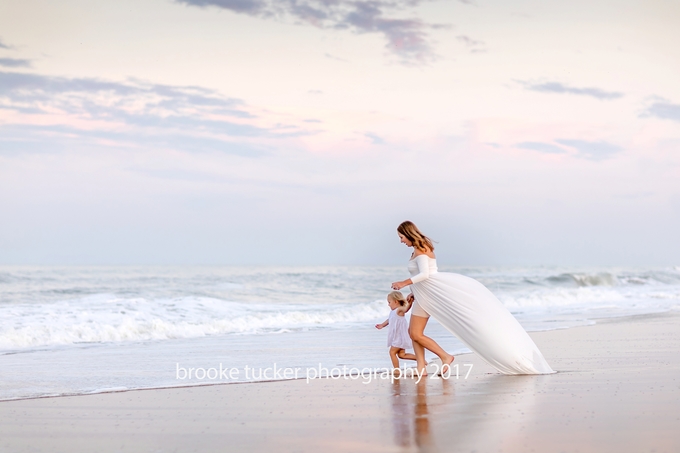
(398, 296)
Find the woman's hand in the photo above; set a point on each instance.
(398, 285)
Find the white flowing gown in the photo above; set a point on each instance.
(472, 313)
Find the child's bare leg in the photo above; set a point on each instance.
(393, 355)
(402, 354)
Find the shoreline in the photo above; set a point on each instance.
(595, 322)
(616, 389)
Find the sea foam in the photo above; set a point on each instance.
(107, 318)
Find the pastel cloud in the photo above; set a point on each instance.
(100, 97)
(15, 63)
(542, 147)
(375, 139)
(559, 88)
(664, 110)
(406, 38)
(593, 150)
(47, 108)
(473, 45)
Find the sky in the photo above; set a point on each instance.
(302, 132)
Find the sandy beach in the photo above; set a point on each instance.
(617, 389)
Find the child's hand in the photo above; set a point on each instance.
(378, 326)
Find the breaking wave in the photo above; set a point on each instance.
(580, 280)
(106, 318)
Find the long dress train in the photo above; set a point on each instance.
(472, 313)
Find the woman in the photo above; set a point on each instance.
(467, 309)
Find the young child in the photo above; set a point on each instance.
(398, 338)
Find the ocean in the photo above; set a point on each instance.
(79, 330)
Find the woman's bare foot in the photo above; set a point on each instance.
(418, 372)
(446, 366)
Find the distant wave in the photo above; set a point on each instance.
(599, 279)
(585, 279)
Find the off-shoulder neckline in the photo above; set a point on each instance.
(422, 254)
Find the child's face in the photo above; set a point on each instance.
(392, 303)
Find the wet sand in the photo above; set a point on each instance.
(617, 389)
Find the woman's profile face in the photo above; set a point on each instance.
(404, 240)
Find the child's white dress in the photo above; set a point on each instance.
(397, 334)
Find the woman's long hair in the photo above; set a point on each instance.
(413, 234)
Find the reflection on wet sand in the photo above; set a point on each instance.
(401, 414)
(422, 415)
(411, 409)
(439, 414)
